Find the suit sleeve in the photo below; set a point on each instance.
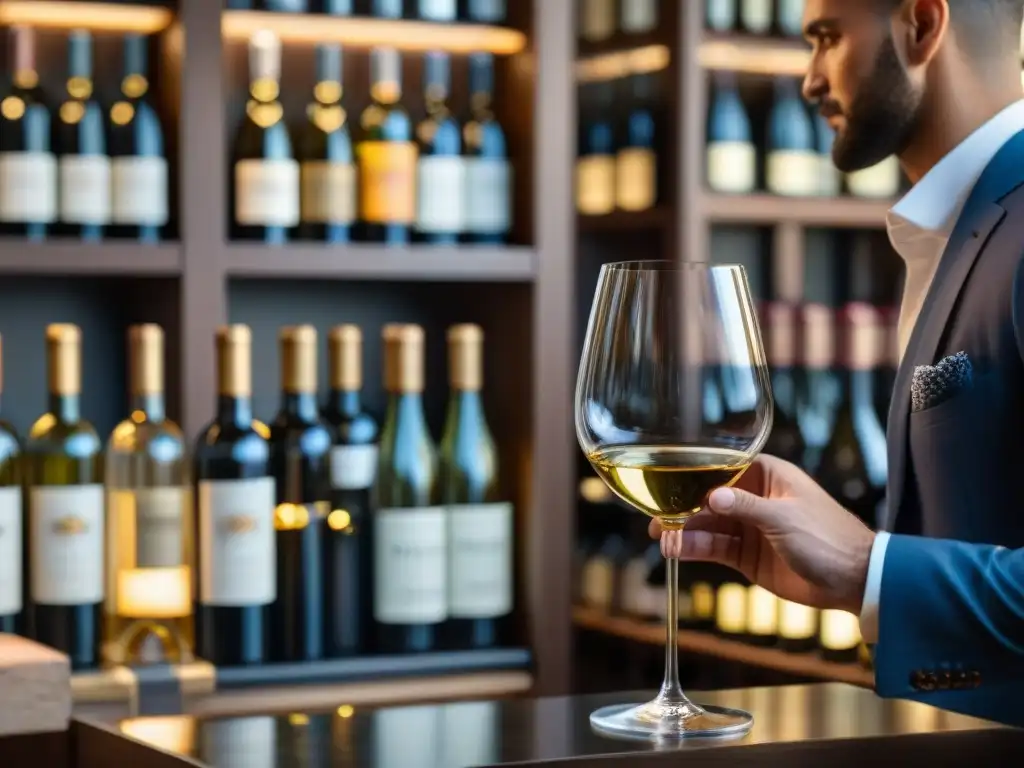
(951, 626)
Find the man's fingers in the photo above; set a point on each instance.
(744, 506)
(702, 545)
(654, 529)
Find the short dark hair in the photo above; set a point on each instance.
(980, 23)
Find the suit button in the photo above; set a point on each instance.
(959, 680)
(974, 676)
(944, 681)
(919, 680)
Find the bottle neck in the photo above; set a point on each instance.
(345, 402)
(465, 404)
(784, 387)
(234, 409)
(860, 387)
(67, 408)
(301, 405)
(406, 408)
(151, 404)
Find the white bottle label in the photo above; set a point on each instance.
(762, 611)
(639, 15)
(267, 193)
(731, 608)
(10, 551)
(597, 19)
(595, 185)
(28, 187)
(479, 560)
(488, 195)
(829, 176)
(487, 11)
(139, 191)
(732, 167)
(879, 181)
(237, 544)
(437, 10)
(67, 536)
(757, 16)
(840, 630)
(636, 184)
(85, 189)
(796, 621)
(159, 524)
(353, 467)
(793, 172)
(721, 14)
(410, 565)
(328, 192)
(441, 182)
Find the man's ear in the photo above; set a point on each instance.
(920, 27)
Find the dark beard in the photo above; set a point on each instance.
(882, 117)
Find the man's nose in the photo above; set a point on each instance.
(814, 87)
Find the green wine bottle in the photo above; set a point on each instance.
(410, 529)
(479, 523)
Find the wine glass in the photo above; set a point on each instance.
(672, 400)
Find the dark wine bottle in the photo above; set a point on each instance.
(595, 164)
(480, 536)
(756, 16)
(441, 169)
(80, 141)
(328, 172)
(789, 17)
(265, 188)
(237, 580)
(596, 19)
(792, 165)
(636, 161)
(437, 10)
(337, 7)
(731, 155)
(820, 390)
(410, 529)
(300, 445)
(721, 15)
(28, 168)
(139, 164)
(386, 9)
(11, 526)
(348, 558)
(386, 156)
(488, 194)
(65, 527)
(486, 11)
(638, 17)
(785, 440)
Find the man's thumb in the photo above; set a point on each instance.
(732, 502)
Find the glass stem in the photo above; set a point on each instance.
(671, 691)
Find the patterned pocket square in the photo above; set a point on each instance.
(935, 384)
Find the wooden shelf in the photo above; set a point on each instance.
(754, 55)
(462, 263)
(615, 65)
(70, 257)
(625, 221)
(145, 19)
(838, 212)
(805, 664)
(360, 32)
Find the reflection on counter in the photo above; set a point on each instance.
(496, 732)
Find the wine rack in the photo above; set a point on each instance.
(196, 279)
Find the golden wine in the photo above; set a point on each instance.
(668, 482)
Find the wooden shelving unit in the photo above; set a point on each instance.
(769, 210)
(120, 259)
(706, 644)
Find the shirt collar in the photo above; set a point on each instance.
(931, 207)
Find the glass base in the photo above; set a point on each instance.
(656, 721)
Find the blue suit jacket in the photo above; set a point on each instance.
(951, 615)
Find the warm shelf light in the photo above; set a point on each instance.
(757, 57)
(366, 33)
(107, 17)
(613, 66)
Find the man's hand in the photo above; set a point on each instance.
(782, 531)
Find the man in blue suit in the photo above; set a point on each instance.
(950, 629)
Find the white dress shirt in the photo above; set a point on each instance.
(919, 226)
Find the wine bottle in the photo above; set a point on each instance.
(789, 17)
(840, 636)
(348, 561)
(636, 161)
(139, 164)
(638, 16)
(149, 563)
(731, 609)
(756, 16)
(633, 589)
(829, 177)
(488, 194)
(64, 479)
(300, 449)
(792, 166)
(337, 7)
(879, 181)
(486, 11)
(785, 440)
(819, 391)
(438, 10)
(597, 19)
(286, 6)
(386, 9)
(721, 15)
(327, 171)
(235, 511)
(28, 168)
(595, 166)
(798, 626)
(601, 570)
(11, 525)
(410, 529)
(731, 155)
(266, 175)
(386, 156)
(81, 145)
(441, 169)
(762, 616)
(479, 521)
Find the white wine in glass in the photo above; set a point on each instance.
(644, 424)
